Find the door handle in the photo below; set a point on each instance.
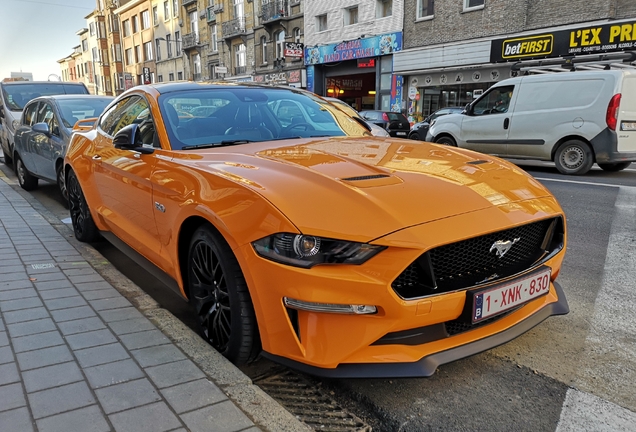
(506, 123)
(97, 158)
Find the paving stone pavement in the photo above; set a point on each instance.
(76, 355)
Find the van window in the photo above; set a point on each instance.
(495, 101)
(548, 95)
(17, 95)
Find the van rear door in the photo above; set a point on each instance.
(626, 124)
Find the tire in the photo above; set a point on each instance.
(574, 157)
(26, 180)
(220, 298)
(83, 224)
(446, 140)
(61, 184)
(415, 136)
(614, 167)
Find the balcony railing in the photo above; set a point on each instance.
(275, 10)
(211, 14)
(233, 27)
(240, 70)
(190, 40)
(187, 2)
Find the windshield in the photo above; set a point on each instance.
(240, 115)
(18, 95)
(73, 110)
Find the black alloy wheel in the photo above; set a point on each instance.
(83, 224)
(61, 184)
(220, 298)
(27, 181)
(614, 167)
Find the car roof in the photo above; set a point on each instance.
(41, 82)
(163, 88)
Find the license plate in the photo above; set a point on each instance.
(500, 298)
(400, 133)
(628, 126)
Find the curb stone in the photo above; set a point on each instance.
(264, 411)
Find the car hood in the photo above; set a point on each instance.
(364, 188)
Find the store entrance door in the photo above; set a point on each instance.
(357, 90)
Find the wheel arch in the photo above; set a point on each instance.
(568, 138)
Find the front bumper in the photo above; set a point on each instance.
(429, 364)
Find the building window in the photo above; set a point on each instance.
(147, 51)
(239, 10)
(170, 77)
(180, 76)
(169, 44)
(177, 41)
(384, 8)
(196, 60)
(84, 45)
(321, 22)
(158, 49)
(129, 57)
(280, 44)
(159, 78)
(166, 10)
(297, 37)
(126, 28)
(263, 50)
(194, 23)
(175, 8)
(473, 4)
(137, 53)
(135, 25)
(351, 16)
(145, 19)
(155, 15)
(215, 41)
(240, 59)
(425, 8)
(91, 26)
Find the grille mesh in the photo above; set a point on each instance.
(469, 262)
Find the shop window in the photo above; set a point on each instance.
(351, 16)
(385, 82)
(384, 8)
(321, 23)
(425, 8)
(473, 4)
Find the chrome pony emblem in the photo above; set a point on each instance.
(502, 247)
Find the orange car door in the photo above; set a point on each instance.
(122, 178)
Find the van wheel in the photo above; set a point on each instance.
(614, 167)
(446, 140)
(26, 180)
(574, 157)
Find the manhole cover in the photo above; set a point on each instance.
(311, 406)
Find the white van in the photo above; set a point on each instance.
(571, 118)
(14, 95)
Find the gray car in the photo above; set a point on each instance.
(44, 133)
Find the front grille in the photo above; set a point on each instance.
(471, 262)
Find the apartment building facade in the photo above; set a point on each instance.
(456, 49)
(168, 23)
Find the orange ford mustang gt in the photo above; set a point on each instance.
(297, 235)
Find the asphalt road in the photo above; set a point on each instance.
(575, 371)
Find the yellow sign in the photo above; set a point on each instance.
(530, 46)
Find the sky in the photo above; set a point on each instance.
(35, 34)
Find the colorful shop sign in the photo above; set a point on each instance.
(281, 78)
(606, 38)
(354, 49)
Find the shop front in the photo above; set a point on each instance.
(359, 72)
(292, 78)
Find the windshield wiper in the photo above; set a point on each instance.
(210, 145)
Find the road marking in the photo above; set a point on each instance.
(584, 182)
(586, 412)
(607, 365)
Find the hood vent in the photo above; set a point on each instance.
(367, 177)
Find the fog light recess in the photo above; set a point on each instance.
(329, 307)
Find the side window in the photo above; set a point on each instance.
(30, 114)
(495, 101)
(128, 111)
(46, 115)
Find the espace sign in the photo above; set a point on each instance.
(612, 37)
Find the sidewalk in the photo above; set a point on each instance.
(77, 355)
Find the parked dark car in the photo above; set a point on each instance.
(394, 123)
(418, 131)
(44, 132)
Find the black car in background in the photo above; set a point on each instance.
(394, 123)
(418, 131)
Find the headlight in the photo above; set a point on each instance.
(432, 123)
(307, 251)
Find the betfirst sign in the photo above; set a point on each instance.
(604, 38)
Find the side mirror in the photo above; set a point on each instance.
(467, 109)
(42, 128)
(128, 138)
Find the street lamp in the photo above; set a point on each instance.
(177, 41)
